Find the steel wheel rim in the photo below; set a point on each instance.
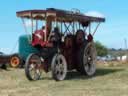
(89, 59)
(34, 69)
(60, 67)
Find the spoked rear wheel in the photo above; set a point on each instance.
(59, 67)
(87, 59)
(33, 67)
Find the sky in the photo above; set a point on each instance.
(111, 33)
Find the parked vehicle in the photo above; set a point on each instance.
(13, 60)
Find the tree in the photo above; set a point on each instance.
(101, 49)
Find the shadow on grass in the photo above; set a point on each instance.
(99, 72)
(74, 75)
(102, 72)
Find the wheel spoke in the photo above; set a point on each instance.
(36, 75)
(60, 67)
(32, 68)
(89, 59)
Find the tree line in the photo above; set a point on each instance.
(104, 51)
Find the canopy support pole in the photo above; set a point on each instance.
(46, 29)
(25, 29)
(73, 26)
(96, 29)
(36, 24)
(90, 28)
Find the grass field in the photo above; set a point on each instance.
(108, 81)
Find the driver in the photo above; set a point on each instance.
(40, 33)
(55, 35)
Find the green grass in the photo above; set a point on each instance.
(108, 81)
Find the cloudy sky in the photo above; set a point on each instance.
(111, 33)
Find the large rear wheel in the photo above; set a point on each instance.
(87, 59)
(59, 67)
(33, 68)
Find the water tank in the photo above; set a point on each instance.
(25, 48)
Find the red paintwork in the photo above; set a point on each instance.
(90, 38)
(40, 41)
(69, 49)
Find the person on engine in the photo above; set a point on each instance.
(40, 33)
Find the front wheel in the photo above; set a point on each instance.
(59, 67)
(33, 67)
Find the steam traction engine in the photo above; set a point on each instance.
(62, 41)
